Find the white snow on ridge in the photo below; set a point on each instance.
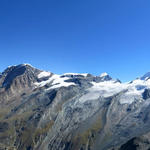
(105, 89)
(59, 82)
(56, 81)
(146, 76)
(82, 74)
(43, 74)
(42, 83)
(24, 64)
(132, 90)
(135, 90)
(27, 64)
(108, 88)
(103, 74)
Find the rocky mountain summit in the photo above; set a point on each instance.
(40, 110)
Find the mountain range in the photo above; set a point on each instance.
(40, 110)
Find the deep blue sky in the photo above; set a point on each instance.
(77, 36)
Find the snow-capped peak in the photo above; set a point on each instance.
(43, 74)
(105, 77)
(104, 74)
(24, 64)
(146, 76)
(76, 74)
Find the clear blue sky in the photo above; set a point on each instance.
(77, 36)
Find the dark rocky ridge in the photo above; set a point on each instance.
(15, 80)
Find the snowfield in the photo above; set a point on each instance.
(133, 90)
(44, 74)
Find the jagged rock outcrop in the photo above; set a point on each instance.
(16, 80)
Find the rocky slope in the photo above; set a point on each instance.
(40, 110)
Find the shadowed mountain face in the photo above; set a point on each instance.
(16, 80)
(40, 110)
(15, 72)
